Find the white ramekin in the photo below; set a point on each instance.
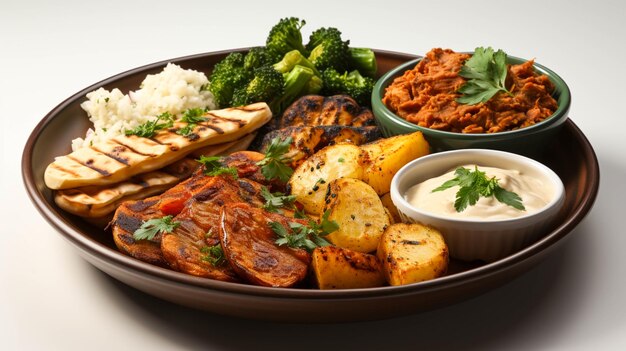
(476, 239)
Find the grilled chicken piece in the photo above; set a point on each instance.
(100, 201)
(249, 245)
(120, 158)
(308, 140)
(131, 214)
(316, 110)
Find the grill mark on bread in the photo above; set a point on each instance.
(217, 129)
(117, 158)
(245, 108)
(131, 148)
(63, 169)
(232, 120)
(89, 164)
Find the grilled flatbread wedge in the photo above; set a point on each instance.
(122, 157)
(101, 200)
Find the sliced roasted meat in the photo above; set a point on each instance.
(194, 246)
(249, 245)
(307, 140)
(132, 214)
(316, 110)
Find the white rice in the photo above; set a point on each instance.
(174, 90)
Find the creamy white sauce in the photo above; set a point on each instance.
(535, 195)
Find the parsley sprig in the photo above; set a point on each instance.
(486, 73)
(275, 201)
(149, 229)
(213, 166)
(214, 255)
(273, 166)
(302, 236)
(192, 117)
(475, 184)
(150, 128)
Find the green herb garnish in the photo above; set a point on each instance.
(273, 166)
(275, 201)
(302, 236)
(486, 73)
(150, 128)
(476, 184)
(149, 229)
(213, 166)
(186, 130)
(214, 255)
(193, 115)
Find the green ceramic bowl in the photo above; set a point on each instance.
(528, 140)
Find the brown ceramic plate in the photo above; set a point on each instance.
(571, 157)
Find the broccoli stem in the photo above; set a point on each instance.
(313, 86)
(291, 59)
(363, 60)
(295, 82)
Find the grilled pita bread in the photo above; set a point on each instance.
(100, 201)
(123, 157)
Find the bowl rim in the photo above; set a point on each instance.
(88, 245)
(556, 201)
(383, 82)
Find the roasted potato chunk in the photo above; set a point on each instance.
(412, 253)
(392, 210)
(310, 180)
(337, 268)
(357, 209)
(386, 156)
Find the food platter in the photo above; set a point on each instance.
(576, 164)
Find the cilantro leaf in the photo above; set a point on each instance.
(150, 128)
(149, 229)
(303, 236)
(194, 115)
(510, 198)
(214, 255)
(486, 72)
(475, 184)
(273, 166)
(186, 130)
(213, 166)
(276, 201)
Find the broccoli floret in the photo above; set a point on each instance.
(227, 75)
(291, 59)
(284, 37)
(295, 86)
(350, 83)
(257, 57)
(363, 60)
(267, 85)
(320, 35)
(328, 50)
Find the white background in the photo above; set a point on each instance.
(51, 299)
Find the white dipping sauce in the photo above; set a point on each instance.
(535, 195)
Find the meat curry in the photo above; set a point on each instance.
(426, 95)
